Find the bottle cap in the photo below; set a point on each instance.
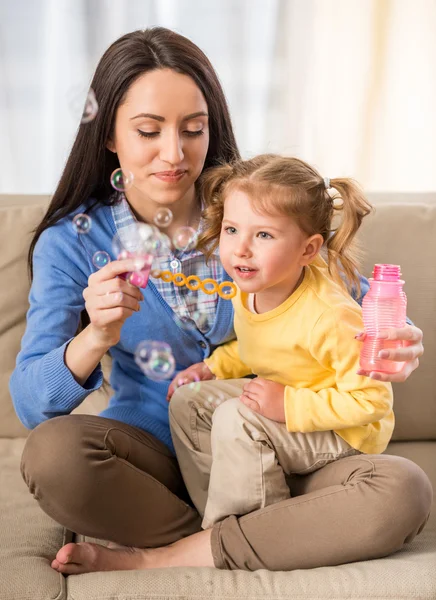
(386, 273)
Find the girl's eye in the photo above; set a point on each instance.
(264, 235)
(148, 134)
(230, 230)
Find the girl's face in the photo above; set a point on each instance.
(162, 136)
(261, 251)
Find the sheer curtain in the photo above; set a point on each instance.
(345, 84)
(354, 90)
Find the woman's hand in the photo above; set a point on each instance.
(197, 372)
(409, 354)
(109, 301)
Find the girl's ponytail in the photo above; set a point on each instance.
(341, 246)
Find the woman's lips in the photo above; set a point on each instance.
(170, 176)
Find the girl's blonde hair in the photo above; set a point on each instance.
(291, 187)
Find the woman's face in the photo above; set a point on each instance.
(162, 136)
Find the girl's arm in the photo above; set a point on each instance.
(225, 363)
(353, 400)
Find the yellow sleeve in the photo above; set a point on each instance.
(224, 362)
(353, 400)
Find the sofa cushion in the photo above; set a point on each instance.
(409, 573)
(29, 539)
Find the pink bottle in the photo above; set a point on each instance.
(383, 306)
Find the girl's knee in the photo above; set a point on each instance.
(181, 403)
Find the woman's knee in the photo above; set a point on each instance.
(52, 454)
(405, 505)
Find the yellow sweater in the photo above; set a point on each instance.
(307, 344)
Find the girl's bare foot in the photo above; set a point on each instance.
(86, 557)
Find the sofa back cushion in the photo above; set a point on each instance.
(402, 231)
(18, 217)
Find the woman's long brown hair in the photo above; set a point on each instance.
(87, 172)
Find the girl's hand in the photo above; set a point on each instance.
(266, 398)
(409, 354)
(197, 372)
(109, 301)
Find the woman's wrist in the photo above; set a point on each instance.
(84, 353)
(97, 342)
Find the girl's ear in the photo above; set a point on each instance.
(312, 246)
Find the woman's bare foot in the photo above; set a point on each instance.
(85, 557)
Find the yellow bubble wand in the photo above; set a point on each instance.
(194, 283)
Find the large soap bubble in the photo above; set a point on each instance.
(185, 239)
(135, 240)
(155, 359)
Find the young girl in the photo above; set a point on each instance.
(296, 326)
(163, 116)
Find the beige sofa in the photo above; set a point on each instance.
(402, 231)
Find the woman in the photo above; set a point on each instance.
(163, 116)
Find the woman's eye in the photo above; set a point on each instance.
(264, 235)
(230, 230)
(193, 133)
(148, 134)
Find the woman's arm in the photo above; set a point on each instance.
(42, 386)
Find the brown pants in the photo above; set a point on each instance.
(108, 480)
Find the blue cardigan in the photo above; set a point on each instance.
(42, 386)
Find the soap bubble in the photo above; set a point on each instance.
(82, 223)
(101, 259)
(91, 107)
(121, 180)
(192, 380)
(82, 103)
(135, 240)
(163, 242)
(185, 238)
(155, 359)
(195, 386)
(212, 402)
(163, 217)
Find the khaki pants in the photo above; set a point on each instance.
(235, 461)
(108, 480)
